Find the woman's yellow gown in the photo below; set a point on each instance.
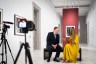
(71, 50)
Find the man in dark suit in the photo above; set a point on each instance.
(53, 44)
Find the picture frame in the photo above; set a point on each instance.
(17, 31)
(68, 30)
(1, 19)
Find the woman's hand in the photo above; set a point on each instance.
(64, 39)
(70, 41)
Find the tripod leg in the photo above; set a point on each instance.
(10, 50)
(29, 56)
(5, 49)
(25, 55)
(2, 43)
(18, 53)
(2, 52)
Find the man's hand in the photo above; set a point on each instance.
(54, 46)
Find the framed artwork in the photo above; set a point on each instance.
(1, 19)
(68, 30)
(17, 31)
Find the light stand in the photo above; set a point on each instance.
(27, 52)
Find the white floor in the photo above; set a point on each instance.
(88, 57)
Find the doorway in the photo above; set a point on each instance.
(36, 34)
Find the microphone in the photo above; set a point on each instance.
(7, 22)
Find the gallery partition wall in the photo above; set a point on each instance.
(69, 20)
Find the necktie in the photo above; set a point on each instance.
(55, 36)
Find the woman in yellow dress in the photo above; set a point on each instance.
(71, 49)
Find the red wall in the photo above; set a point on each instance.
(70, 18)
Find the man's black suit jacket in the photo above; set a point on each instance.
(51, 39)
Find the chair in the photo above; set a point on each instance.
(46, 54)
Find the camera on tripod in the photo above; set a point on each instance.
(4, 42)
(26, 25)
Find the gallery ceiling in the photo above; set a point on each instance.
(83, 5)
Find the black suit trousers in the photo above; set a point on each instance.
(58, 50)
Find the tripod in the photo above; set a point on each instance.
(4, 44)
(27, 52)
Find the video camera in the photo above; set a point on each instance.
(26, 25)
(6, 22)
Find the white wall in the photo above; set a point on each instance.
(91, 25)
(49, 19)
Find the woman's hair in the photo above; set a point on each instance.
(72, 33)
(72, 30)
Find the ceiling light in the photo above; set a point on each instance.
(71, 3)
